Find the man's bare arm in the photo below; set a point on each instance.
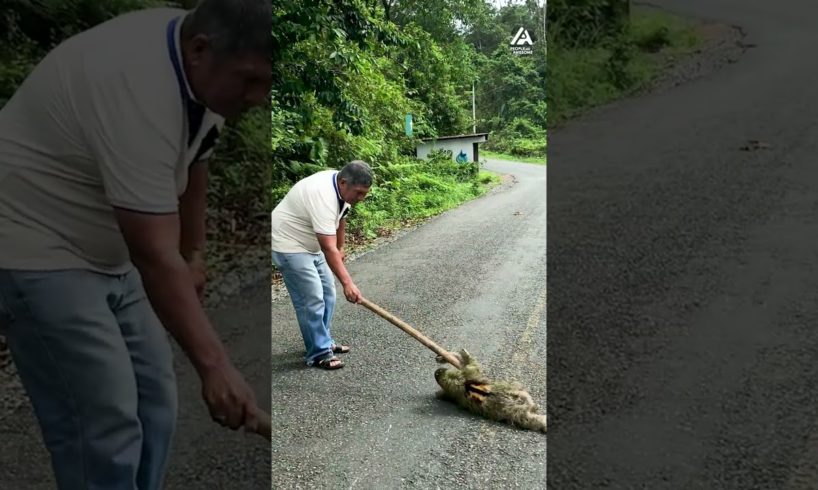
(153, 241)
(192, 209)
(329, 245)
(341, 236)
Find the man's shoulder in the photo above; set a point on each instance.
(119, 43)
(128, 29)
(320, 183)
(135, 32)
(320, 178)
(127, 61)
(140, 18)
(317, 185)
(122, 61)
(127, 40)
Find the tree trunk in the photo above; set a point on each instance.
(386, 7)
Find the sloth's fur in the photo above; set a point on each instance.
(502, 401)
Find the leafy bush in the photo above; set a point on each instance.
(521, 137)
(593, 69)
(586, 23)
(411, 190)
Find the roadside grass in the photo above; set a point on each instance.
(408, 192)
(512, 158)
(415, 192)
(583, 78)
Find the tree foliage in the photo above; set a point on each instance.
(346, 73)
(585, 23)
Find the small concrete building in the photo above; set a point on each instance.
(464, 147)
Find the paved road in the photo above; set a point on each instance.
(206, 456)
(682, 274)
(474, 278)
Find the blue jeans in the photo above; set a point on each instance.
(97, 366)
(311, 285)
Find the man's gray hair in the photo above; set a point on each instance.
(357, 172)
(236, 27)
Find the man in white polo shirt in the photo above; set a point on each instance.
(308, 228)
(102, 208)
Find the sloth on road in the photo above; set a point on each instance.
(502, 401)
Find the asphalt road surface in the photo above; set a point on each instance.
(471, 278)
(683, 348)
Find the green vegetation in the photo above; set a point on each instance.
(602, 50)
(349, 71)
(346, 72)
(511, 158)
(416, 190)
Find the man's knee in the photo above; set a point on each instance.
(329, 293)
(159, 416)
(98, 445)
(327, 280)
(158, 392)
(314, 300)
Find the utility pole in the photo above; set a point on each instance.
(473, 111)
(544, 3)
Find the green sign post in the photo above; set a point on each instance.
(408, 125)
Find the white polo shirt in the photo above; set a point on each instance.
(313, 205)
(105, 119)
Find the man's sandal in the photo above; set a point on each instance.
(340, 349)
(329, 363)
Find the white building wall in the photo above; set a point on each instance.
(466, 145)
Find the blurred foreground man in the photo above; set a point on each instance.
(102, 209)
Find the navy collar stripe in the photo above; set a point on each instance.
(338, 195)
(195, 111)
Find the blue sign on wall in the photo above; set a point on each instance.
(462, 157)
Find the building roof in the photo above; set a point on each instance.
(457, 136)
